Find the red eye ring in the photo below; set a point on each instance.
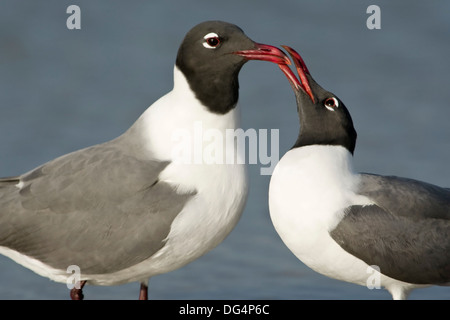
(212, 40)
(331, 103)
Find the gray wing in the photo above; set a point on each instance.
(406, 233)
(406, 197)
(98, 208)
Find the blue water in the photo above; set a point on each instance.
(61, 90)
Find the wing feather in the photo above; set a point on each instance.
(99, 208)
(406, 232)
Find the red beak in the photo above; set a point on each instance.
(266, 53)
(302, 71)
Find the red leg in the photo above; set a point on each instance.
(143, 294)
(77, 294)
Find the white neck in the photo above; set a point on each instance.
(179, 129)
(179, 113)
(324, 167)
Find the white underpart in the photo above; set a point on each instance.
(309, 189)
(221, 190)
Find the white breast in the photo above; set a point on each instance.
(308, 191)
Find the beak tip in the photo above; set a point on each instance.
(302, 70)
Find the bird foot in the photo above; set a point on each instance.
(77, 293)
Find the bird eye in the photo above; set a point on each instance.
(331, 103)
(212, 40)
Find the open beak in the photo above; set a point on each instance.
(266, 53)
(302, 71)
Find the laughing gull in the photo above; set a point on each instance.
(131, 208)
(357, 227)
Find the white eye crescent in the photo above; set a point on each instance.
(331, 103)
(212, 40)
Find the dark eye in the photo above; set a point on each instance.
(212, 40)
(331, 103)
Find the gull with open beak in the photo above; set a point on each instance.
(349, 225)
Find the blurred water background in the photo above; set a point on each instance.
(62, 90)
